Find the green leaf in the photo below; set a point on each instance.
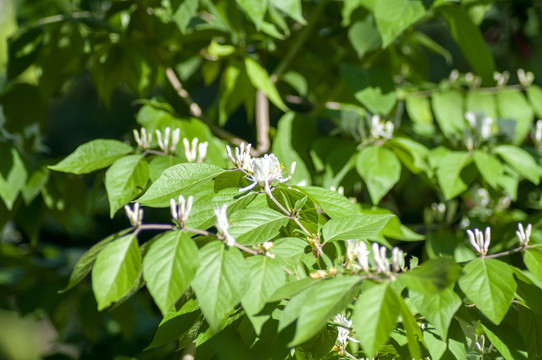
(412, 329)
(489, 166)
(395, 16)
(533, 261)
(219, 282)
(116, 270)
(354, 227)
(375, 316)
(35, 184)
(331, 202)
(513, 105)
(291, 289)
(364, 36)
(290, 128)
(507, 341)
(470, 40)
(266, 276)
(292, 8)
(419, 109)
(169, 267)
(255, 9)
(394, 229)
(260, 79)
(373, 87)
(94, 155)
(432, 276)
(175, 324)
(520, 160)
(380, 169)
(448, 108)
(13, 176)
(479, 101)
(184, 13)
(411, 153)
(438, 308)
(235, 89)
(327, 298)
(534, 93)
(254, 226)
(490, 284)
(530, 327)
(124, 180)
(449, 173)
(176, 180)
(86, 262)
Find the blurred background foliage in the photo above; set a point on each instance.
(75, 70)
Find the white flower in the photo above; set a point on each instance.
(163, 141)
(196, 152)
(381, 262)
(397, 259)
(340, 189)
(485, 130)
(343, 331)
(471, 118)
(479, 242)
(222, 225)
(242, 159)
(143, 141)
(537, 133)
(524, 234)
(181, 209)
(381, 129)
(265, 171)
(135, 216)
(356, 249)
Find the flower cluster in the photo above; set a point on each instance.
(381, 129)
(343, 331)
(480, 241)
(195, 152)
(222, 225)
(524, 235)
(480, 129)
(181, 209)
(163, 140)
(357, 250)
(242, 159)
(135, 216)
(143, 141)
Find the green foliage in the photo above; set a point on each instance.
(392, 149)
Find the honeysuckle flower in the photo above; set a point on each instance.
(480, 241)
(265, 171)
(181, 209)
(381, 129)
(222, 225)
(143, 141)
(537, 134)
(381, 262)
(480, 123)
(164, 141)
(396, 259)
(356, 249)
(242, 158)
(340, 189)
(524, 234)
(525, 78)
(135, 216)
(501, 79)
(343, 331)
(196, 152)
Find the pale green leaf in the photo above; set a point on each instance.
(534, 93)
(260, 79)
(438, 308)
(292, 8)
(220, 282)
(266, 276)
(490, 284)
(513, 105)
(482, 102)
(432, 276)
(169, 267)
(354, 227)
(364, 36)
(124, 180)
(489, 167)
(176, 180)
(520, 160)
(449, 173)
(94, 155)
(331, 202)
(533, 261)
(255, 9)
(86, 262)
(35, 184)
(448, 108)
(380, 169)
(375, 316)
(116, 270)
(419, 109)
(13, 178)
(254, 226)
(395, 16)
(411, 153)
(185, 12)
(412, 329)
(327, 298)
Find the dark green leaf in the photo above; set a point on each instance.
(354, 227)
(380, 169)
(432, 276)
(438, 308)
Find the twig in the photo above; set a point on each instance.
(62, 17)
(284, 210)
